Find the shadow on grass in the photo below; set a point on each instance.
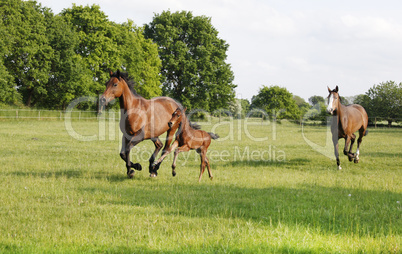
(269, 163)
(330, 210)
(382, 154)
(56, 174)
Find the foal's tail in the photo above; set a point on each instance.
(213, 136)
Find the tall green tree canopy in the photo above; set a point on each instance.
(383, 100)
(26, 53)
(276, 101)
(47, 60)
(193, 60)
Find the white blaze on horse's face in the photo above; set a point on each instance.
(331, 108)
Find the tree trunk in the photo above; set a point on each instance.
(389, 123)
(29, 99)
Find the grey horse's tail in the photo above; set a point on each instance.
(195, 126)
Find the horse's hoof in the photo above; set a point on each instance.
(153, 175)
(137, 166)
(211, 178)
(173, 174)
(356, 161)
(131, 174)
(339, 167)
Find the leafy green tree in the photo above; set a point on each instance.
(301, 104)
(68, 77)
(8, 91)
(27, 54)
(277, 101)
(104, 45)
(140, 58)
(96, 46)
(316, 99)
(193, 60)
(385, 101)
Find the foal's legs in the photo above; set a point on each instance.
(154, 166)
(204, 163)
(184, 148)
(168, 151)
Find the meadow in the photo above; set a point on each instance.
(271, 193)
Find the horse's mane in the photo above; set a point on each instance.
(130, 82)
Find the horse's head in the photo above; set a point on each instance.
(333, 100)
(114, 88)
(177, 116)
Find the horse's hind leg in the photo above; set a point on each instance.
(204, 163)
(352, 141)
(359, 141)
(209, 168)
(345, 150)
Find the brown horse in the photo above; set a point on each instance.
(345, 122)
(141, 119)
(188, 138)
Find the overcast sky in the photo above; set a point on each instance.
(304, 46)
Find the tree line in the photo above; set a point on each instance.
(48, 60)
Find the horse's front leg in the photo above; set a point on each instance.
(137, 138)
(124, 143)
(345, 149)
(336, 151)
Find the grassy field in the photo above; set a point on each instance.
(271, 192)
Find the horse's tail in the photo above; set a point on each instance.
(195, 126)
(213, 135)
(366, 132)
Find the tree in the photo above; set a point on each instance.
(140, 58)
(8, 91)
(315, 99)
(278, 101)
(27, 54)
(385, 101)
(301, 104)
(104, 45)
(193, 60)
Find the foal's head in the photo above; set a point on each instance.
(333, 100)
(177, 116)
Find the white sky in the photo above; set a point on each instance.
(304, 46)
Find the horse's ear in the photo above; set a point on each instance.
(110, 73)
(118, 74)
(329, 89)
(184, 110)
(336, 89)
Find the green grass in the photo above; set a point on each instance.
(62, 195)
